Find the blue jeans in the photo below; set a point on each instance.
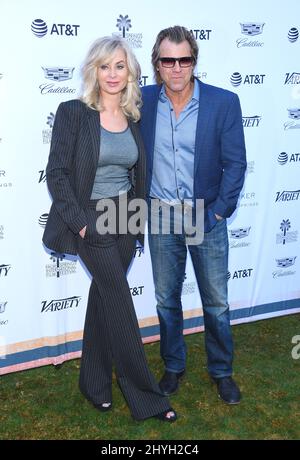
(210, 262)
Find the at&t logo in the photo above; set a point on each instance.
(39, 28)
(236, 79)
(284, 158)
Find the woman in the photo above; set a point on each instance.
(96, 153)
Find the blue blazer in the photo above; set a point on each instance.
(220, 154)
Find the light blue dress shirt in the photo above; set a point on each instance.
(174, 149)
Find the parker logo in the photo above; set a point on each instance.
(252, 122)
(39, 28)
(60, 304)
(124, 25)
(58, 73)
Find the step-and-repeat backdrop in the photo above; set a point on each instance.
(251, 48)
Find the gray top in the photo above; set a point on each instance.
(118, 153)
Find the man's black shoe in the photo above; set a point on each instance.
(170, 382)
(228, 390)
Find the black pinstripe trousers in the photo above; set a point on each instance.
(111, 330)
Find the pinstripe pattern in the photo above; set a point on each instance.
(71, 170)
(111, 331)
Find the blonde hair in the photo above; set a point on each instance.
(100, 53)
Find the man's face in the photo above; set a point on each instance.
(176, 78)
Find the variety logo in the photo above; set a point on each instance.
(236, 79)
(239, 234)
(252, 122)
(4, 269)
(60, 304)
(294, 114)
(124, 25)
(239, 274)
(42, 177)
(43, 220)
(60, 267)
(284, 158)
(47, 133)
(250, 29)
(287, 195)
(286, 236)
(283, 264)
(292, 78)
(39, 28)
(201, 34)
(3, 307)
(293, 35)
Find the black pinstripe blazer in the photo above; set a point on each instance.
(71, 170)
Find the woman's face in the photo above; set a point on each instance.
(113, 75)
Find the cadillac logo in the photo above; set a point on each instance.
(294, 114)
(285, 262)
(239, 233)
(58, 73)
(252, 28)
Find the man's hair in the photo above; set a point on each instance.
(176, 34)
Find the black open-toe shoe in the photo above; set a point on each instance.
(103, 407)
(168, 415)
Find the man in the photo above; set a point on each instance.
(195, 147)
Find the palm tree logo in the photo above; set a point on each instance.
(284, 227)
(123, 23)
(59, 257)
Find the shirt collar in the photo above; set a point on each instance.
(196, 92)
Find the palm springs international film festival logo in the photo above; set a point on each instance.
(284, 267)
(236, 79)
(39, 28)
(47, 133)
(250, 29)
(294, 115)
(238, 234)
(60, 266)
(124, 25)
(286, 235)
(57, 74)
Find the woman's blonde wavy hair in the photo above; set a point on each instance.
(101, 52)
